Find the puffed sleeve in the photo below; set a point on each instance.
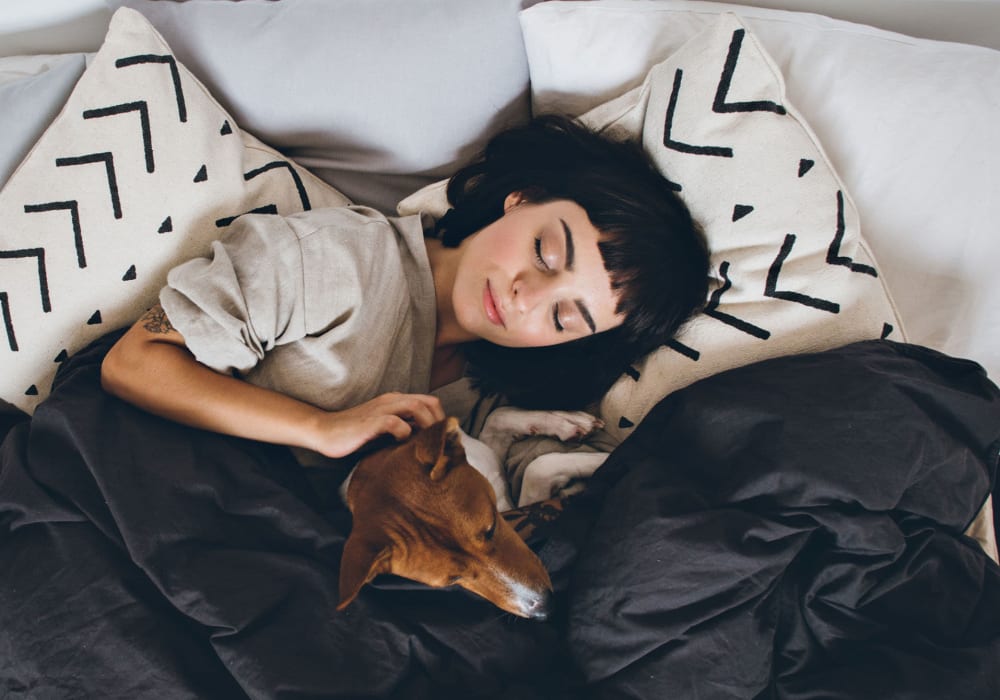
(241, 300)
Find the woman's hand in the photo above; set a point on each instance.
(339, 433)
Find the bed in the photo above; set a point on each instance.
(798, 497)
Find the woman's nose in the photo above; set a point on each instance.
(527, 294)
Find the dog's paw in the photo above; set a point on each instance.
(568, 426)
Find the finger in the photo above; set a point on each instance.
(394, 426)
(422, 409)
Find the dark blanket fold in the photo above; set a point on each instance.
(793, 529)
(787, 530)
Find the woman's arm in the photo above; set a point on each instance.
(151, 367)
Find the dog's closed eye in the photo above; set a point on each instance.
(488, 535)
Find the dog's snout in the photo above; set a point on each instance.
(537, 607)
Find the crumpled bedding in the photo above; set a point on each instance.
(791, 529)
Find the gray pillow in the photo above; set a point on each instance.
(30, 103)
(378, 99)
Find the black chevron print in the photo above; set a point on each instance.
(671, 143)
(725, 82)
(43, 277)
(267, 209)
(712, 308)
(299, 187)
(688, 352)
(8, 322)
(833, 255)
(143, 109)
(174, 74)
(109, 168)
(73, 208)
(771, 286)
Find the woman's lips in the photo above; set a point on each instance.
(490, 304)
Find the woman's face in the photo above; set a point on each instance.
(534, 277)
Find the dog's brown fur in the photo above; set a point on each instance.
(422, 512)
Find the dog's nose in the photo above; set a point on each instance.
(537, 608)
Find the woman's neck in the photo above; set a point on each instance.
(444, 266)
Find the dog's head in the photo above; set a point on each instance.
(423, 513)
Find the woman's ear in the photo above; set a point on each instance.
(512, 200)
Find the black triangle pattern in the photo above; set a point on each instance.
(131, 114)
(722, 103)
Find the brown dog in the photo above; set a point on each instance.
(421, 511)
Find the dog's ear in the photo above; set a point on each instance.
(361, 561)
(440, 447)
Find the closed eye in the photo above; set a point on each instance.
(555, 319)
(538, 254)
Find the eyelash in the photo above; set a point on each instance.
(541, 261)
(538, 253)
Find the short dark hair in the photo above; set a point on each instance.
(655, 253)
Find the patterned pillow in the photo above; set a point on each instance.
(791, 271)
(141, 170)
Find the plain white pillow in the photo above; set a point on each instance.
(32, 91)
(909, 124)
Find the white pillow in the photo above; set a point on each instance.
(377, 98)
(142, 169)
(792, 273)
(909, 123)
(32, 91)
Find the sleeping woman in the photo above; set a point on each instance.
(565, 257)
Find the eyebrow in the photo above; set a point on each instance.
(586, 314)
(570, 251)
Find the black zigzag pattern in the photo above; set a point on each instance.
(175, 76)
(279, 165)
(73, 207)
(833, 256)
(141, 113)
(670, 142)
(720, 104)
(771, 286)
(109, 169)
(142, 109)
(712, 308)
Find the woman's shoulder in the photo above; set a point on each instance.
(348, 221)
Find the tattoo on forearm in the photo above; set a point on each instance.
(156, 321)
